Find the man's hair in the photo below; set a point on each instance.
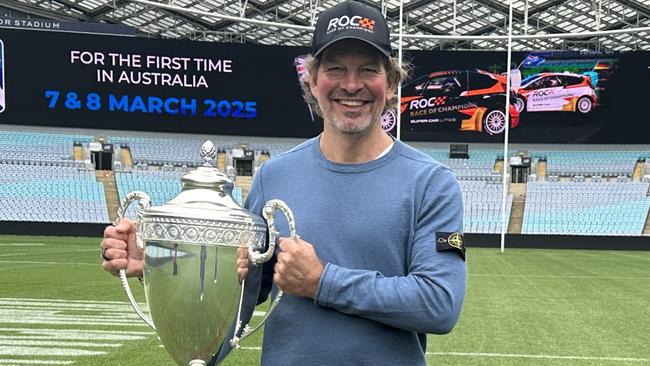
(394, 75)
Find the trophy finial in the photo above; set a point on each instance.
(208, 152)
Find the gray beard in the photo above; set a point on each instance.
(353, 131)
(356, 131)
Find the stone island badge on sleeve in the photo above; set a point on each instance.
(451, 241)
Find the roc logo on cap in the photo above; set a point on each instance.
(347, 22)
(451, 241)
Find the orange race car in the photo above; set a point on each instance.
(473, 100)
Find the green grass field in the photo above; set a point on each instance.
(523, 307)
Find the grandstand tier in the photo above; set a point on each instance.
(570, 192)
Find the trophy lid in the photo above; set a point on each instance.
(207, 176)
(205, 200)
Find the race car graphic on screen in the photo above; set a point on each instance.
(474, 100)
(553, 91)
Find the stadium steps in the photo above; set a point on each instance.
(245, 183)
(541, 168)
(78, 153)
(221, 163)
(127, 158)
(637, 174)
(107, 179)
(646, 227)
(498, 166)
(518, 191)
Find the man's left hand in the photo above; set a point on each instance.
(298, 268)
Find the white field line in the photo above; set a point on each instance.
(35, 341)
(44, 351)
(71, 337)
(32, 346)
(112, 313)
(38, 333)
(68, 321)
(13, 254)
(32, 343)
(10, 361)
(39, 302)
(511, 355)
(631, 256)
(553, 276)
(50, 263)
(72, 331)
(553, 357)
(22, 244)
(54, 313)
(110, 307)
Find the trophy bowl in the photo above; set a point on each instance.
(190, 246)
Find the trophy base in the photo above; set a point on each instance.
(197, 363)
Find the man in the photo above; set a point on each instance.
(380, 258)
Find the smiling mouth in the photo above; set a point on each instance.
(351, 103)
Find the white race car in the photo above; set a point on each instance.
(554, 91)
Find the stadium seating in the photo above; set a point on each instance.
(273, 148)
(161, 186)
(51, 194)
(479, 166)
(585, 192)
(482, 207)
(38, 148)
(589, 162)
(586, 208)
(161, 151)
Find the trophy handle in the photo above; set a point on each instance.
(257, 258)
(144, 200)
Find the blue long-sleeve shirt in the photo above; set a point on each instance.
(374, 226)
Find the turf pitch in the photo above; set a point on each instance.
(523, 307)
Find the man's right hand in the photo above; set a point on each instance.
(120, 251)
(242, 263)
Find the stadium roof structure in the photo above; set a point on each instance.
(604, 25)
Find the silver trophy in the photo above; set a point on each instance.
(190, 273)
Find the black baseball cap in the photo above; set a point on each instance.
(351, 19)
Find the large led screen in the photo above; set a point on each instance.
(110, 82)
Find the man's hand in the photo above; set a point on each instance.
(119, 250)
(298, 268)
(242, 263)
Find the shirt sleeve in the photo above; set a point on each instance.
(429, 298)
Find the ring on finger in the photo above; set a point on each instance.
(104, 256)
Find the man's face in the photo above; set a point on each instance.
(351, 86)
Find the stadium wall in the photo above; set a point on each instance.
(559, 241)
(52, 229)
(473, 240)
